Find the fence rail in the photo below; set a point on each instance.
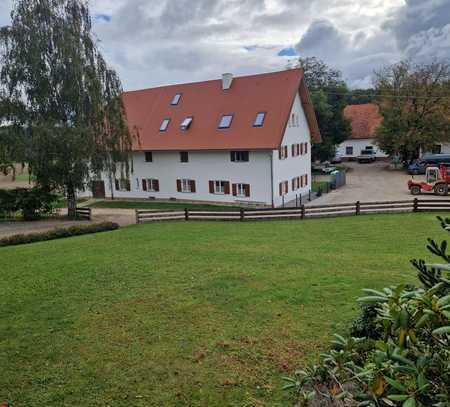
(83, 213)
(302, 212)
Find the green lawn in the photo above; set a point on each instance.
(118, 204)
(189, 314)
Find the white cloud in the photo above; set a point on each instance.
(154, 42)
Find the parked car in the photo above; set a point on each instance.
(337, 159)
(367, 156)
(420, 166)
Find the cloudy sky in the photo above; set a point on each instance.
(155, 42)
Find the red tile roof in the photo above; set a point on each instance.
(365, 120)
(206, 102)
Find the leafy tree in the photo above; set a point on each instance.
(415, 105)
(328, 94)
(361, 96)
(62, 100)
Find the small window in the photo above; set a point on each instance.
(148, 157)
(123, 185)
(184, 157)
(219, 187)
(153, 185)
(176, 99)
(240, 156)
(349, 150)
(225, 121)
(284, 188)
(283, 153)
(164, 125)
(259, 121)
(186, 123)
(186, 185)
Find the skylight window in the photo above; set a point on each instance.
(186, 123)
(225, 122)
(164, 125)
(176, 99)
(259, 121)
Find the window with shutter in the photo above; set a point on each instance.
(286, 155)
(301, 149)
(234, 189)
(211, 187)
(247, 190)
(193, 189)
(144, 185)
(306, 148)
(293, 150)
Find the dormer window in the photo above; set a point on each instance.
(225, 121)
(164, 125)
(186, 123)
(259, 120)
(176, 99)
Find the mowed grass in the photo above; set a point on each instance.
(189, 314)
(119, 204)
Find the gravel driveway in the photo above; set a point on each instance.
(369, 182)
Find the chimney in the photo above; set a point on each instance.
(227, 79)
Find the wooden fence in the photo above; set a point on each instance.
(302, 212)
(83, 213)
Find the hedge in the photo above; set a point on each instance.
(58, 233)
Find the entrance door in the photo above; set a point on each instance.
(98, 189)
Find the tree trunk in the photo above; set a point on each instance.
(71, 202)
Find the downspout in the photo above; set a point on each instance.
(271, 178)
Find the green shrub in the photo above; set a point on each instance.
(403, 359)
(30, 202)
(57, 234)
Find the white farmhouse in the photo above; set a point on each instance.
(365, 120)
(235, 140)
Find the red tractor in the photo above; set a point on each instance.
(437, 180)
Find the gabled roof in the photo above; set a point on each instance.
(206, 102)
(365, 120)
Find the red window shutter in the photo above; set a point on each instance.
(192, 182)
(234, 189)
(227, 188)
(301, 149)
(301, 181)
(293, 184)
(298, 149)
(247, 190)
(211, 187)
(286, 152)
(286, 186)
(281, 189)
(117, 184)
(306, 179)
(179, 185)
(144, 185)
(156, 185)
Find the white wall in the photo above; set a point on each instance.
(358, 146)
(285, 170)
(202, 167)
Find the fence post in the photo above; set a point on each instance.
(186, 214)
(242, 214)
(303, 212)
(137, 216)
(358, 208)
(416, 205)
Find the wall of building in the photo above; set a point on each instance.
(358, 145)
(202, 167)
(286, 169)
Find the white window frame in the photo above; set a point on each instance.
(238, 156)
(219, 187)
(123, 185)
(186, 185)
(240, 190)
(150, 184)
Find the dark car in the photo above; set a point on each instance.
(432, 160)
(367, 156)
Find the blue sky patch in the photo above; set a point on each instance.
(103, 18)
(288, 52)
